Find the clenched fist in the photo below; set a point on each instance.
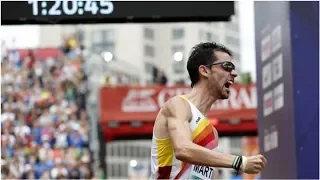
(254, 164)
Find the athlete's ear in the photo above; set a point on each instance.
(204, 71)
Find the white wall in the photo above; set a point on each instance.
(26, 36)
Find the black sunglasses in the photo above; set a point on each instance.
(226, 65)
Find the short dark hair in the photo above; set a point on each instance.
(203, 54)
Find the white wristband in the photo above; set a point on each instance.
(244, 163)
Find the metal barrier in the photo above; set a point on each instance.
(121, 153)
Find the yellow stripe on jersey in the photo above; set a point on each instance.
(183, 97)
(164, 152)
(201, 126)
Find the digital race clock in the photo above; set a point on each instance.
(58, 8)
(103, 11)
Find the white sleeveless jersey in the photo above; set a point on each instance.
(164, 164)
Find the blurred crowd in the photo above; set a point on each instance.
(44, 124)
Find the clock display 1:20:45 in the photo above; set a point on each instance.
(56, 8)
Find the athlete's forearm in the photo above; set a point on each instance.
(198, 155)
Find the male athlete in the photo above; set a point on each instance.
(183, 138)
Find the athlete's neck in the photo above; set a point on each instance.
(201, 98)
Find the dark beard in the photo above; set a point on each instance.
(224, 94)
(218, 92)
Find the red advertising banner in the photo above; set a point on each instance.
(124, 104)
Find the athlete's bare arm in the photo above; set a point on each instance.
(178, 114)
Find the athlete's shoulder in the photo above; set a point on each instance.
(176, 101)
(175, 105)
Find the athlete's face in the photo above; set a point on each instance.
(220, 75)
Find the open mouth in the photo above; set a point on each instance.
(228, 84)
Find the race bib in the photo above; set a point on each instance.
(201, 172)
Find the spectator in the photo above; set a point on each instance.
(3, 50)
(161, 78)
(44, 125)
(155, 73)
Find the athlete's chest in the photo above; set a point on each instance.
(204, 133)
